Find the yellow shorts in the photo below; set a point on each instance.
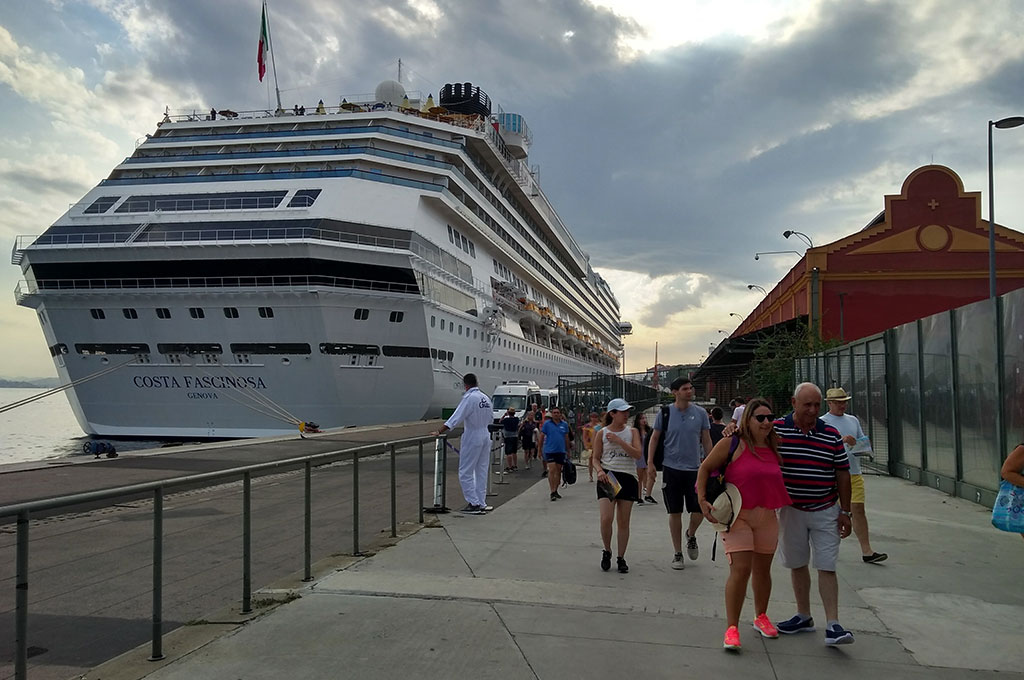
(857, 489)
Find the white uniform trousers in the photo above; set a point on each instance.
(474, 461)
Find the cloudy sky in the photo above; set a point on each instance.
(675, 138)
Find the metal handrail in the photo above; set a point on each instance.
(24, 510)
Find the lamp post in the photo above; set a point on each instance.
(757, 256)
(735, 314)
(1002, 124)
(752, 286)
(791, 232)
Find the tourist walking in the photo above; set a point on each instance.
(856, 444)
(510, 433)
(817, 477)
(645, 473)
(617, 447)
(553, 442)
(754, 466)
(527, 435)
(593, 424)
(474, 414)
(687, 441)
(717, 426)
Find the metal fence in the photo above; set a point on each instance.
(157, 490)
(942, 398)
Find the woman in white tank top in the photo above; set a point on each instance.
(617, 447)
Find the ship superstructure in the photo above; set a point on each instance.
(241, 272)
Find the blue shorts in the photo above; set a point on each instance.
(558, 458)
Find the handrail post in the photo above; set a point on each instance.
(308, 524)
(355, 503)
(247, 543)
(394, 496)
(156, 651)
(21, 600)
(421, 480)
(444, 472)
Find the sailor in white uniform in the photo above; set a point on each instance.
(475, 414)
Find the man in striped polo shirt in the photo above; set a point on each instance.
(817, 476)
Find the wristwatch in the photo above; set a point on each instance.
(846, 512)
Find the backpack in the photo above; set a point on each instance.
(659, 450)
(568, 472)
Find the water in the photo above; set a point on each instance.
(45, 429)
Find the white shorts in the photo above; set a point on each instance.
(801, 532)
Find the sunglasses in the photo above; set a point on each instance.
(761, 417)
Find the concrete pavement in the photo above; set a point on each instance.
(519, 594)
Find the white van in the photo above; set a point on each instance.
(548, 399)
(517, 394)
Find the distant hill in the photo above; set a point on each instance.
(32, 383)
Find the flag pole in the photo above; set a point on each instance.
(273, 63)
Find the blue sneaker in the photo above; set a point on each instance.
(837, 635)
(797, 625)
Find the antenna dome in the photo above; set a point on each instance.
(389, 91)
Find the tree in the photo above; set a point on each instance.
(772, 369)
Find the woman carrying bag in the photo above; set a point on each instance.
(616, 450)
(755, 468)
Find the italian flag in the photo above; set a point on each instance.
(261, 56)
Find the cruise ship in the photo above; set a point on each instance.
(243, 273)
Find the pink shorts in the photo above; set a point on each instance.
(755, 530)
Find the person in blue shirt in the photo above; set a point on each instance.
(553, 441)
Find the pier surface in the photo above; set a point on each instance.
(518, 593)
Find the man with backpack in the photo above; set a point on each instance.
(682, 431)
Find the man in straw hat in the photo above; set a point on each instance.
(856, 443)
(817, 476)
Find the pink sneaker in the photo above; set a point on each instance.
(765, 627)
(732, 638)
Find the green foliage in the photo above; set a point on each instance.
(771, 370)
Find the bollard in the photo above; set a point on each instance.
(394, 497)
(421, 480)
(440, 462)
(21, 600)
(308, 526)
(355, 504)
(157, 652)
(247, 543)
(498, 447)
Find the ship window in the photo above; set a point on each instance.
(58, 349)
(474, 362)
(189, 348)
(101, 205)
(361, 314)
(238, 200)
(266, 312)
(460, 329)
(433, 353)
(97, 314)
(304, 198)
(112, 348)
(406, 351)
(348, 348)
(270, 348)
(433, 321)
(474, 334)
(451, 234)
(231, 312)
(130, 313)
(197, 312)
(467, 360)
(163, 313)
(472, 249)
(396, 317)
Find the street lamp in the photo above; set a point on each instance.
(757, 256)
(735, 314)
(752, 286)
(791, 232)
(1011, 122)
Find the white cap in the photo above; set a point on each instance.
(618, 405)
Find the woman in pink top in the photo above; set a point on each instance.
(750, 542)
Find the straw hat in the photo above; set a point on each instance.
(837, 394)
(726, 508)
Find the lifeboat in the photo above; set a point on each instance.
(530, 310)
(559, 330)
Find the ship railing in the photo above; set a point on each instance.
(24, 512)
(25, 288)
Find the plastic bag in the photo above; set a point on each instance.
(1008, 511)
